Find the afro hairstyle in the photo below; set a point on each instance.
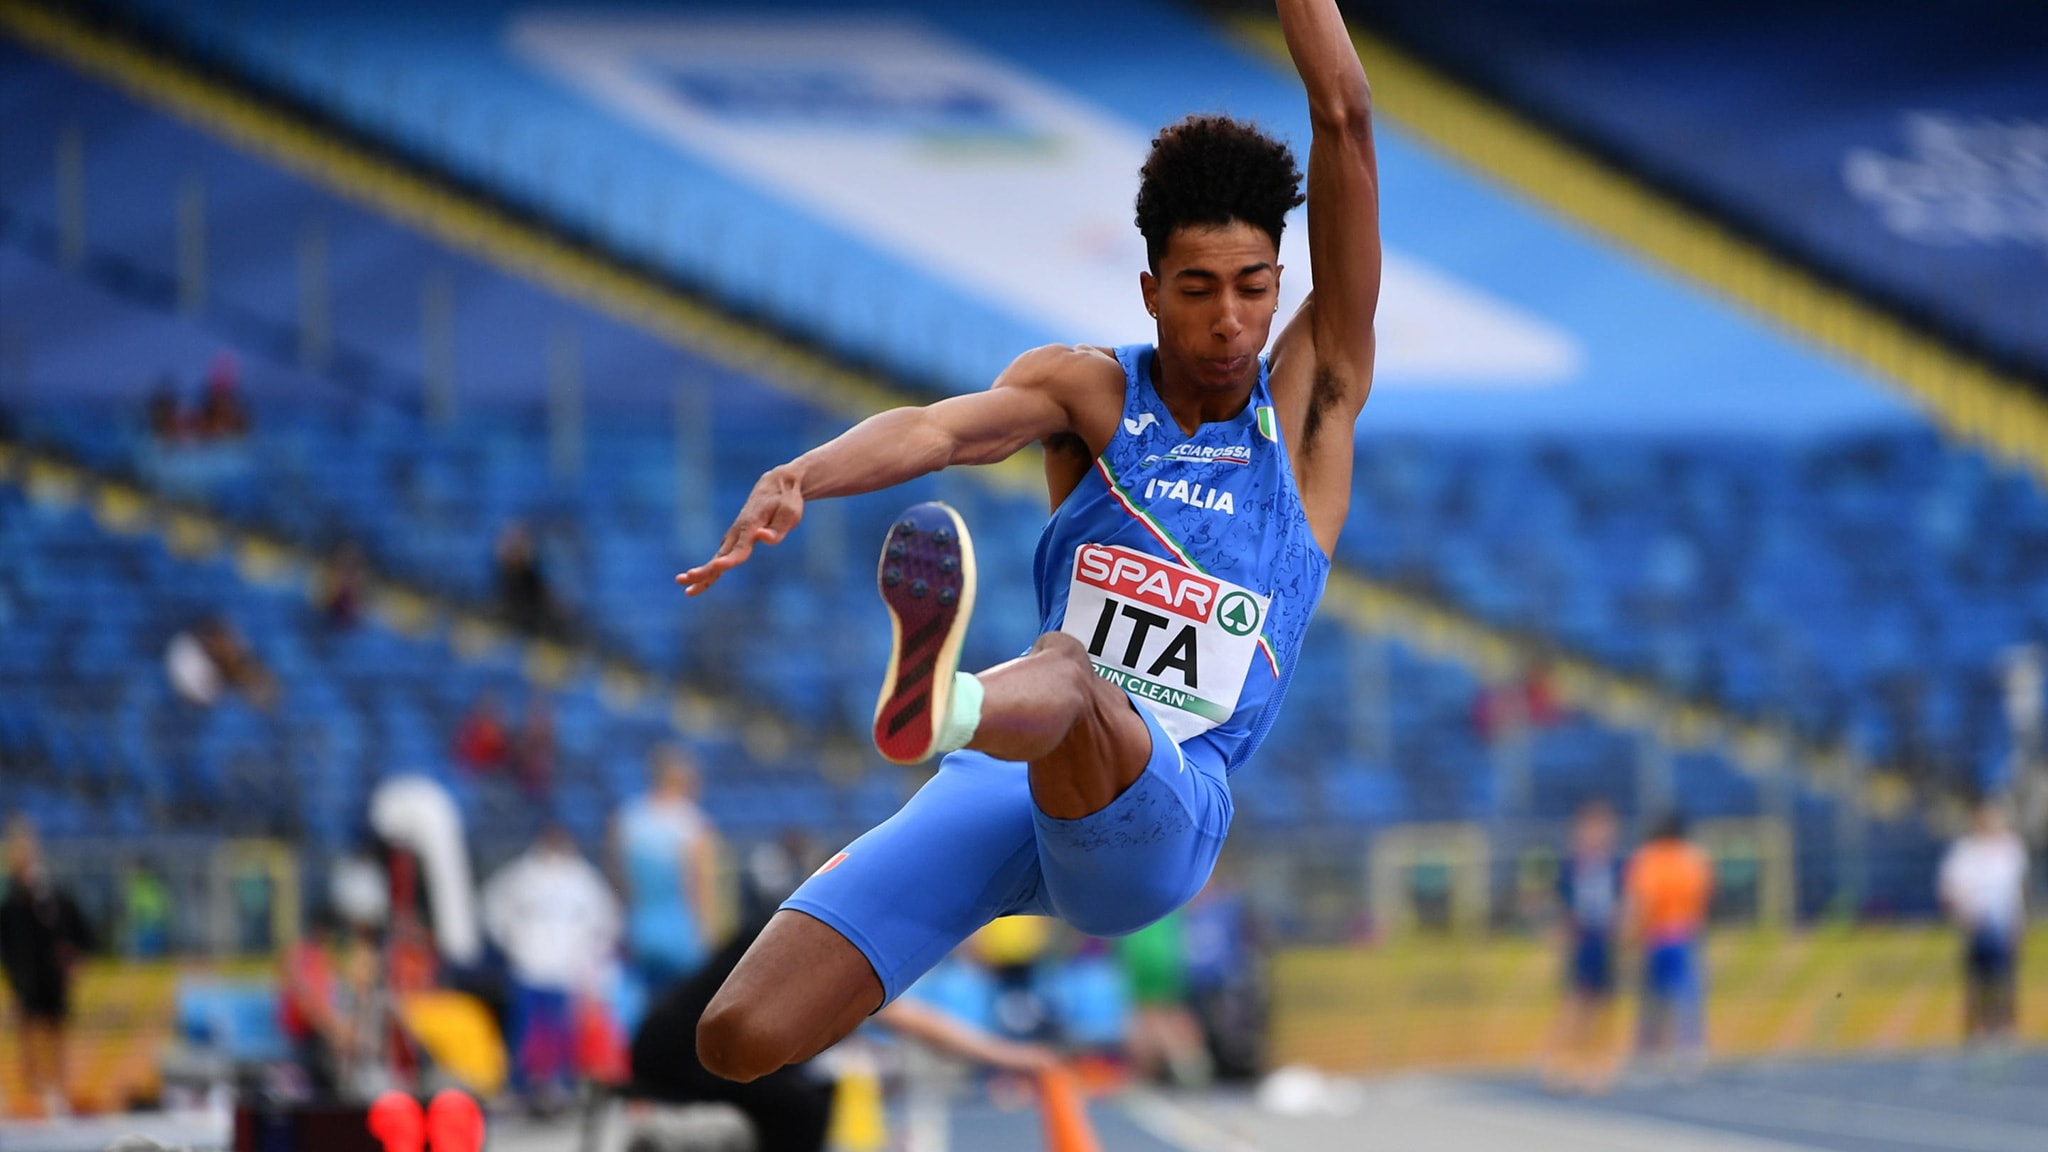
(1208, 171)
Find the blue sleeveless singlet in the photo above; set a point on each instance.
(1222, 502)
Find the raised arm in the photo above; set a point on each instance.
(1027, 403)
(1324, 358)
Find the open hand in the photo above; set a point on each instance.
(775, 506)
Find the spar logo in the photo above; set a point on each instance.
(1136, 576)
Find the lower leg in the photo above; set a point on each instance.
(1082, 737)
(1605, 1055)
(39, 1069)
(1561, 1054)
(1030, 704)
(31, 1063)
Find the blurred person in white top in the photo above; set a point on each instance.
(558, 923)
(667, 853)
(1983, 890)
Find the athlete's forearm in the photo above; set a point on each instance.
(904, 443)
(882, 451)
(1323, 54)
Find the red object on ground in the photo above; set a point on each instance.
(455, 1123)
(398, 1123)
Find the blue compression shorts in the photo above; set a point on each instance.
(972, 846)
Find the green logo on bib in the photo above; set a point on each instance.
(1239, 614)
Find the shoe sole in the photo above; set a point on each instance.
(926, 577)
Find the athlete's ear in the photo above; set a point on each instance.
(1148, 284)
(1277, 270)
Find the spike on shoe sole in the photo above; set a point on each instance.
(926, 577)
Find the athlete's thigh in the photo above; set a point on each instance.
(959, 854)
(1148, 852)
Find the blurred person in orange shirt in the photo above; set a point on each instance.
(1670, 886)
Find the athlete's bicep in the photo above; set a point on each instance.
(1022, 406)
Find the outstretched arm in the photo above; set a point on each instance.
(1323, 361)
(884, 450)
(1343, 193)
(936, 1029)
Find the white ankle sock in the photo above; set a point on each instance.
(963, 715)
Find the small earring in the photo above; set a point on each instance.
(1155, 313)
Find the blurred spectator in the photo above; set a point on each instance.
(208, 659)
(166, 423)
(367, 1021)
(1589, 882)
(558, 924)
(667, 853)
(1983, 889)
(1165, 1041)
(775, 868)
(343, 587)
(1517, 705)
(523, 596)
(146, 912)
(307, 996)
(481, 743)
(1227, 976)
(1670, 884)
(1013, 948)
(221, 415)
(42, 939)
(533, 753)
(790, 1109)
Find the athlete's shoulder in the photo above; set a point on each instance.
(1086, 381)
(1060, 367)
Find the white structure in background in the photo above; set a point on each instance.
(2025, 679)
(919, 144)
(417, 814)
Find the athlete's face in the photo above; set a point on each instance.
(1214, 296)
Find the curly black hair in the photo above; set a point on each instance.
(1207, 171)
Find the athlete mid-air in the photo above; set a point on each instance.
(1197, 487)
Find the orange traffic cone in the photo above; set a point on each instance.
(1066, 1113)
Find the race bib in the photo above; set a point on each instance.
(1179, 641)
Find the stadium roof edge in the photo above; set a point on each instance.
(1968, 399)
(501, 240)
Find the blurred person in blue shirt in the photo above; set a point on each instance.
(1582, 1055)
(668, 856)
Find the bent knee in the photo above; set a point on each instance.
(1060, 646)
(1087, 686)
(736, 1043)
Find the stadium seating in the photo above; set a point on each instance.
(1861, 588)
(1908, 181)
(89, 613)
